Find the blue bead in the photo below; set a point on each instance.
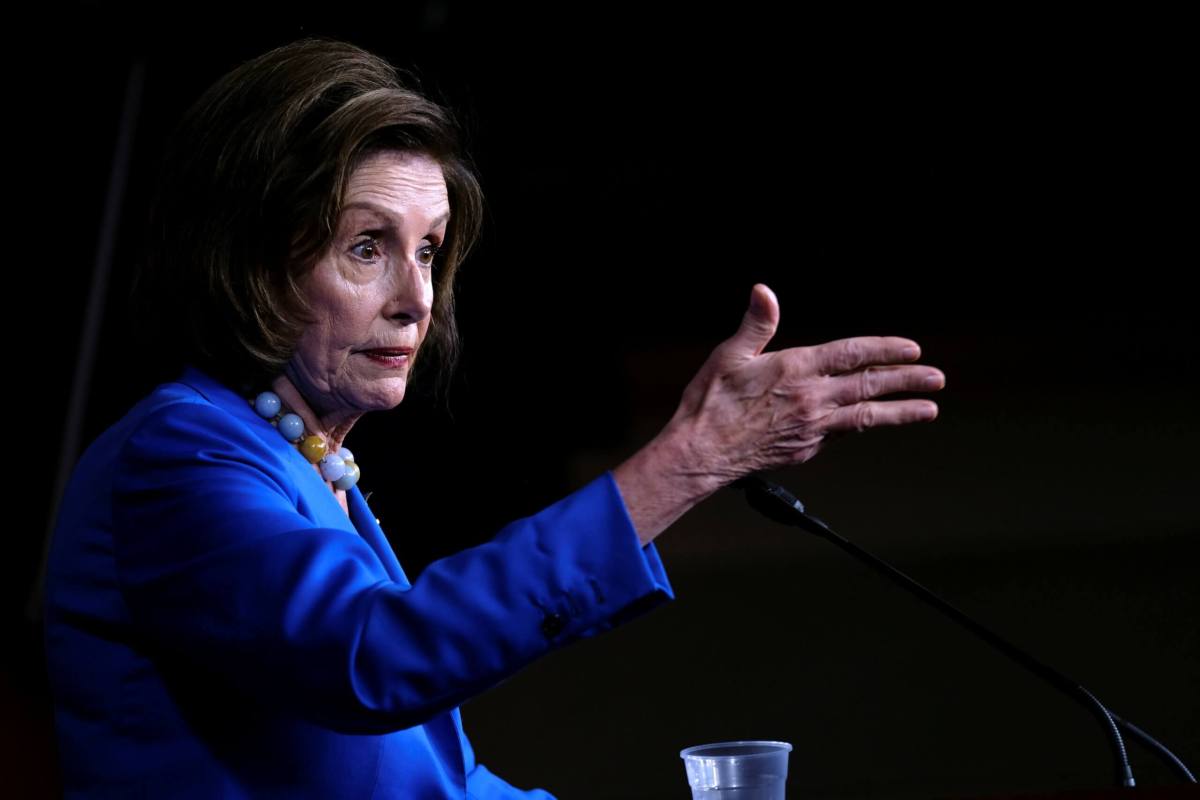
(345, 453)
(332, 467)
(291, 426)
(348, 480)
(267, 405)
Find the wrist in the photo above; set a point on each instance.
(676, 454)
(659, 483)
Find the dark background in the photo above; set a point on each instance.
(1009, 191)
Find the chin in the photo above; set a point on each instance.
(390, 397)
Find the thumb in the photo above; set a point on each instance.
(758, 325)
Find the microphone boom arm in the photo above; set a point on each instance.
(777, 503)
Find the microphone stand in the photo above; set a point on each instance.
(780, 505)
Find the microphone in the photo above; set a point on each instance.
(780, 505)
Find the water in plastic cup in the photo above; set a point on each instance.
(737, 770)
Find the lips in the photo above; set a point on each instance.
(388, 351)
(393, 358)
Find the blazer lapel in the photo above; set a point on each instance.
(327, 509)
(368, 528)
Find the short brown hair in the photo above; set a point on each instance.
(249, 195)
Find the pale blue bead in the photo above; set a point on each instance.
(348, 480)
(267, 405)
(291, 426)
(333, 466)
(345, 453)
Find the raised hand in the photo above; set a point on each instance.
(746, 411)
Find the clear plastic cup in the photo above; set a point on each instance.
(737, 770)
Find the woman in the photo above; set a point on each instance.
(224, 616)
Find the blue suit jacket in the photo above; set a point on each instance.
(216, 626)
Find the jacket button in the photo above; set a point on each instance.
(553, 625)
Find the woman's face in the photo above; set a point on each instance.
(373, 288)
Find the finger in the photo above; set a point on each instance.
(847, 355)
(861, 416)
(873, 381)
(759, 324)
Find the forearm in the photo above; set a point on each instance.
(659, 483)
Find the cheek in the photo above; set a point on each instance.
(424, 325)
(343, 324)
(312, 349)
(324, 343)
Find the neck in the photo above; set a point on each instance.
(332, 427)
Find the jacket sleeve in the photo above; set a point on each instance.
(483, 784)
(219, 568)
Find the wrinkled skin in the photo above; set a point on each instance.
(748, 411)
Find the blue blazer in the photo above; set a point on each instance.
(216, 626)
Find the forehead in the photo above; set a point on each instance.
(402, 185)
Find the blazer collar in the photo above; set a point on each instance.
(361, 516)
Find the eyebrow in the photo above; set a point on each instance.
(383, 212)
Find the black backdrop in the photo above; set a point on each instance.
(1008, 191)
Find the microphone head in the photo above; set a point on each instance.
(770, 499)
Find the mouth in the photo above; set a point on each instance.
(389, 351)
(390, 357)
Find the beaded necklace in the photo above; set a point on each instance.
(338, 468)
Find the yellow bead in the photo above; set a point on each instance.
(313, 448)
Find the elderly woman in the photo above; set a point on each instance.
(224, 616)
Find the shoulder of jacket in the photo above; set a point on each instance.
(191, 425)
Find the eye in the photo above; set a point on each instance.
(432, 254)
(370, 244)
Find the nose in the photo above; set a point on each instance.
(412, 293)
